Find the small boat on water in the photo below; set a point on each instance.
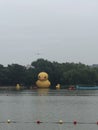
(86, 87)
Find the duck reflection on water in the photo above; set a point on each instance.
(43, 91)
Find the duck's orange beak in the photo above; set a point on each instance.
(42, 78)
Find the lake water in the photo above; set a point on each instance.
(25, 108)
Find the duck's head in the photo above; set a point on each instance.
(42, 76)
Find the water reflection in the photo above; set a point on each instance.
(50, 92)
(43, 91)
(65, 92)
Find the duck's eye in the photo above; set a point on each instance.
(45, 77)
(39, 77)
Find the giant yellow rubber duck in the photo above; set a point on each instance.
(43, 81)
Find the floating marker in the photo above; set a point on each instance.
(75, 122)
(38, 122)
(8, 121)
(60, 121)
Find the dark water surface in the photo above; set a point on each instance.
(25, 108)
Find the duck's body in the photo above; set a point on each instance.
(43, 84)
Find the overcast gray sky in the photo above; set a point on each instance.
(56, 30)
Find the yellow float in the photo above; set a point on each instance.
(18, 87)
(43, 81)
(58, 86)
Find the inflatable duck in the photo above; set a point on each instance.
(18, 87)
(43, 81)
(58, 86)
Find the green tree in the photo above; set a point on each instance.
(16, 74)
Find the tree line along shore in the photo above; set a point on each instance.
(59, 73)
